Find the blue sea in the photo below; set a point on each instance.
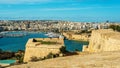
(18, 43)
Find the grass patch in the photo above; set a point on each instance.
(46, 42)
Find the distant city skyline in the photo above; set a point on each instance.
(70, 10)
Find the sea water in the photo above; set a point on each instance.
(18, 43)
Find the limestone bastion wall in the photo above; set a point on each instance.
(103, 40)
(82, 37)
(35, 49)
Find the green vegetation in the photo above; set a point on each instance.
(6, 54)
(63, 49)
(115, 27)
(12, 55)
(63, 52)
(45, 42)
(50, 55)
(82, 42)
(48, 42)
(19, 56)
(34, 59)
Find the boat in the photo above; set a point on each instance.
(52, 35)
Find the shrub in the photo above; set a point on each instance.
(19, 58)
(115, 27)
(50, 55)
(34, 58)
(6, 55)
(63, 49)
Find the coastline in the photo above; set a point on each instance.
(76, 37)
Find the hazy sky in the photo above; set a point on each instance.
(73, 10)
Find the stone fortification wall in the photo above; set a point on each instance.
(67, 35)
(82, 37)
(36, 49)
(103, 40)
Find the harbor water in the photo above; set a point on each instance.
(18, 43)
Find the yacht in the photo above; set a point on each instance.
(52, 35)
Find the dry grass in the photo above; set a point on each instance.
(87, 60)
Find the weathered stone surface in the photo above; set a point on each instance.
(103, 40)
(72, 36)
(36, 49)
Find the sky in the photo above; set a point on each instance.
(69, 10)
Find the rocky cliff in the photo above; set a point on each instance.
(103, 40)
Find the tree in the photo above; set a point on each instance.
(115, 27)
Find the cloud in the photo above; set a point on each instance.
(22, 1)
(62, 9)
(32, 1)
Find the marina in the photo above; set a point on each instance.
(13, 34)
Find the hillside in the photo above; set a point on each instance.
(103, 51)
(95, 60)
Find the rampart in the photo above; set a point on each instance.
(41, 50)
(81, 37)
(103, 40)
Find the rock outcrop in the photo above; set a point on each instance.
(103, 40)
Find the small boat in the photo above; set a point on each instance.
(52, 35)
